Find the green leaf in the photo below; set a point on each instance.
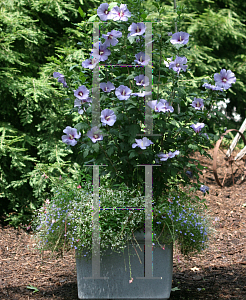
(32, 206)
(175, 289)
(132, 154)
(175, 123)
(156, 5)
(86, 152)
(70, 69)
(131, 39)
(193, 147)
(112, 4)
(30, 287)
(143, 16)
(173, 172)
(82, 77)
(81, 12)
(92, 18)
(178, 46)
(130, 76)
(110, 151)
(95, 147)
(133, 129)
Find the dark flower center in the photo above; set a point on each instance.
(80, 94)
(71, 137)
(106, 12)
(121, 13)
(101, 52)
(180, 38)
(95, 136)
(107, 118)
(124, 92)
(142, 81)
(138, 29)
(106, 89)
(224, 80)
(177, 65)
(141, 59)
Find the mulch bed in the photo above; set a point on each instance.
(218, 273)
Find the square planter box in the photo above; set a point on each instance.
(115, 266)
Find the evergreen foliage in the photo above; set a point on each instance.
(218, 34)
(38, 39)
(32, 104)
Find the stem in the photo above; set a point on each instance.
(108, 158)
(127, 60)
(65, 237)
(113, 139)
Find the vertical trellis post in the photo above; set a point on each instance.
(176, 30)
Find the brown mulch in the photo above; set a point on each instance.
(218, 273)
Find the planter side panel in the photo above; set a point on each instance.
(118, 286)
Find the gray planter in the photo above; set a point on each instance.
(117, 286)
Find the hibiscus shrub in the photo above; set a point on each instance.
(178, 114)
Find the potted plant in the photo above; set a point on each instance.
(64, 223)
(171, 131)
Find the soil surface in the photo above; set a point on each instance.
(218, 273)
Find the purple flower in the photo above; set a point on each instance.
(176, 152)
(140, 59)
(79, 103)
(142, 143)
(197, 103)
(164, 157)
(180, 38)
(204, 188)
(224, 79)
(94, 134)
(178, 64)
(157, 107)
(206, 135)
(189, 174)
(136, 29)
(90, 63)
(71, 135)
(100, 51)
(166, 105)
(212, 87)
(123, 92)
(103, 12)
(110, 37)
(81, 93)
(197, 127)
(167, 62)
(108, 117)
(61, 78)
(120, 13)
(141, 94)
(142, 80)
(107, 87)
